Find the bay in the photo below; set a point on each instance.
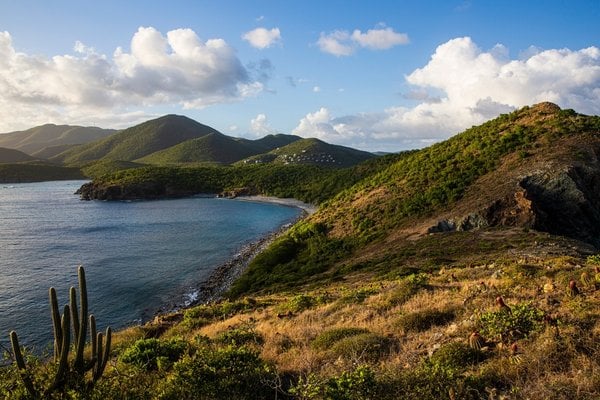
(138, 255)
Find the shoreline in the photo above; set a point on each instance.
(222, 277)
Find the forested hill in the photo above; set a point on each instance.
(536, 168)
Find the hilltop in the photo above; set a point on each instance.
(39, 138)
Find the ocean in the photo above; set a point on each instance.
(139, 256)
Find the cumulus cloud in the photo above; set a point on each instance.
(260, 126)
(176, 68)
(262, 38)
(343, 43)
(461, 86)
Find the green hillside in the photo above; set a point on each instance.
(37, 172)
(36, 139)
(312, 151)
(478, 174)
(138, 141)
(214, 147)
(13, 156)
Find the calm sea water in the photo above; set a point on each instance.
(138, 256)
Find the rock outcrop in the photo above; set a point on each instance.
(565, 203)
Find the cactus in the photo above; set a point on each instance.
(14, 341)
(77, 318)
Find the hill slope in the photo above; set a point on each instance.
(138, 141)
(312, 151)
(536, 168)
(13, 156)
(214, 147)
(37, 138)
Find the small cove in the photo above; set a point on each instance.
(139, 256)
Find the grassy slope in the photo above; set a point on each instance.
(138, 141)
(365, 224)
(213, 147)
(37, 138)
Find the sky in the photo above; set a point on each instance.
(379, 75)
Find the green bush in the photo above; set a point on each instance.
(153, 354)
(239, 336)
(358, 384)
(521, 321)
(329, 337)
(456, 355)
(422, 320)
(363, 347)
(229, 373)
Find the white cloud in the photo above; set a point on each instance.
(342, 43)
(379, 39)
(461, 86)
(260, 125)
(262, 38)
(316, 89)
(179, 68)
(335, 43)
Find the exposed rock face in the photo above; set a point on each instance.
(567, 204)
(564, 203)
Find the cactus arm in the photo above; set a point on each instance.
(94, 344)
(56, 323)
(14, 341)
(96, 373)
(66, 342)
(103, 354)
(74, 316)
(83, 317)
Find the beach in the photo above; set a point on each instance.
(223, 276)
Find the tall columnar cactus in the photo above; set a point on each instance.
(78, 318)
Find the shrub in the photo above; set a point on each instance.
(329, 337)
(349, 385)
(226, 373)
(422, 320)
(522, 320)
(152, 354)
(357, 296)
(456, 355)
(239, 336)
(357, 384)
(300, 302)
(364, 347)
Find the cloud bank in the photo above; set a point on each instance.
(343, 43)
(178, 68)
(461, 86)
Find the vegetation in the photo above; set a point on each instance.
(34, 172)
(69, 376)
(361, 301)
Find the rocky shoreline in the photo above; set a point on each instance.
(222, 277)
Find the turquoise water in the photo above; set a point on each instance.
(138, 256)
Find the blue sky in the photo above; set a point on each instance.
(376, 75)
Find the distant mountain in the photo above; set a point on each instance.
(36, 139)
(138, 141)
(312, 151)
(13, 156)
(271, 142)
(214, 147)
(217, 148)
